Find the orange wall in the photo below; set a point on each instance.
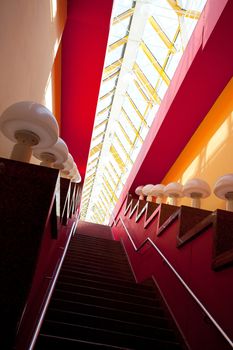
(30, 34)
(209, 153)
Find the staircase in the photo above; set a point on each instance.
(96, 303)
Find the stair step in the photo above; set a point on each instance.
(97, 303)
(101, 259)
(99, 267)
(106, 293)
(106, 302)
(46, 342)
(104, 336)
(107, 311)
(106, 279)
(111, 324)
(135, 289)
(100, 272)
(97, 253)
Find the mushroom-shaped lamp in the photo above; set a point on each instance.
(174, 190)
(139, 192)
(146, 190)
(224, 189)
(158, 192)
(77, 178)
(28, 124)
(54, 156)
(73, 172)
(196, 189)
(67, 166)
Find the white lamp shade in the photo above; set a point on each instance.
(33, 117)
(138, 190)
(68, 165)
(223, 186)
(174, 189)
(59, 150)
(196, 187)
(146, 190)
(158, 190)
(77, 178)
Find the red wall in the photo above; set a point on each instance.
(193, 262)
(84, 44)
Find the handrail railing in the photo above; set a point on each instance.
(148, 240)
(46, 302)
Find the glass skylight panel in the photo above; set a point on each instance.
(155, 43)
(137, 97)
(108, 85)
(119, 30)
(147, 68)
(166, 17)
(104, 103)
(122, 128)
(115, 54)
(122, 6)
(132, 113)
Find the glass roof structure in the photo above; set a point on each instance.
(146, 41)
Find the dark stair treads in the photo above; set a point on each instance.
(61, 343)
(90, 281)
(107, 312)
(113, 324)
(107, 293)
(97, 304)
(98, 335)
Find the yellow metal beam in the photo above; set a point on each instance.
(183, 12)
(124, 133)
(104, 196)
(96, 149)
(154, 62)
(114, 170)
(106, 109)
(145, 82)
(123, 16)
(111, 76)
(162, 35)
(122, 147)
(112, 67)
(118, 43)
(117, 158)
(100, 124)
(131, 123)
(110, 175)
(97, 136)
(142, 92)
(110, 189)
(136, 109)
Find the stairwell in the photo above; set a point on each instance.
(97, 304)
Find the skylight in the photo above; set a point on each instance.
(146, 41)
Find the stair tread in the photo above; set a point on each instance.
(123, 294)
(106, 300)
(97, 303)
(95, 332)
(109, 308)
(163, 329)
(79, 341)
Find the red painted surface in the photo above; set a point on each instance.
(193, 262)
(49, 256)
(84, 45)
(204, 70)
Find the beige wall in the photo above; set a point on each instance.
(30, 33)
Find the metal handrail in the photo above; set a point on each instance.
(180, 279)
(46, 303)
